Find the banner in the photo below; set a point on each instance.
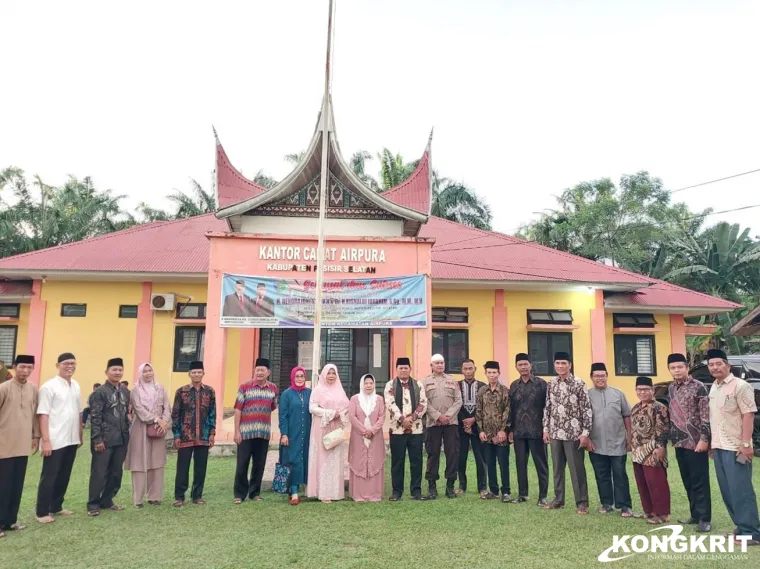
(264, 302)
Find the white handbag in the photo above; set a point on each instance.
(333, 438)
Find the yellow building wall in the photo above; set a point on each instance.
(479, 304)
(579, 302)
(93, 339)
(662, 346)
(22, 330)
(162, 344)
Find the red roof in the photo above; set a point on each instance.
(460, 253)
(463, 252)
(161, 247)
(414, 192)
(668, 295)
(231, 186)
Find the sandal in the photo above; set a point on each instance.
(553, 506)
(582, 510)
(15, 527)
(46, 519)
(178, 503)
(655, 521)
(294, 500)
(116, 508)
(606, 509)
(63, 513)
(626, 513)
(93, 513)
(2, 533)
(199, 502)
(237, 501)
(257, 499)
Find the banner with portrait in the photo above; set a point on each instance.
(266, 302)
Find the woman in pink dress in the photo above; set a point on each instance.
(366, 449)
(329, 408)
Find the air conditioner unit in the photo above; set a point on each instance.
(162, 301)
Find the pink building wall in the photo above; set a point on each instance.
(240, 254)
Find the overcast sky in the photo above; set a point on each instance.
(527, 97)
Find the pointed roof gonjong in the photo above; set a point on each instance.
(410, 200)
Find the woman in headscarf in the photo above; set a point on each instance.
(295, 428)
(146, 455)
(329, 407)
(366, 448)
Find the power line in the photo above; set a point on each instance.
(714, 181)
(602, 233)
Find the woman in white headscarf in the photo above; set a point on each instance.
(366, 448)
(146, 455)
(329, 409)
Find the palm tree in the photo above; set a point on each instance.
(393, 169)
(358, 163)
(263, 180)
(722, 261)
(199, 202)
(295, 158)
(456, 202)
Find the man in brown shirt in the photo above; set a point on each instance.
(444, 401)
(492, 416)
(19, 438)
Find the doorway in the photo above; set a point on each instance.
(354, 351)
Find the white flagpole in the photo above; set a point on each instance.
(323, 190)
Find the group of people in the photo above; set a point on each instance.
(129, 429)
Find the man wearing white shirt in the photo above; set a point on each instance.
(60, 415)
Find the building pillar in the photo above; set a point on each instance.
(248, 339)
(398, 348)
(215, 343)
(598, 329)
(677, 334)
(35, 334)
(500, 330)
(144, 333)
(423, 337)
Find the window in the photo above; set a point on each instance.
(633, 321)
(454, 346)
(543, 345)
(195, 310)
(74, 310)
(450, 315)
(10, 310)
(634, 355)
(128, 311)
(8, 344)
(188, 346)
(550, 317)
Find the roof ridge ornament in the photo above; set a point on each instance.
(216, 136)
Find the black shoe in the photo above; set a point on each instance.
(704, 527)
(432, 491)
(688, 522)
(139, 506)
(417, 497)
(542, 503)
(154, 502)
(506, 498)
(520, 500)
(450, 492)
(394, 497)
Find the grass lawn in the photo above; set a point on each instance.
(445, 534)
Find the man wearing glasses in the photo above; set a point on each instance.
(60, 416)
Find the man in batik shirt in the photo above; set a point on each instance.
(493, 423)
(689, 411)
(406, 403)
(649, 441)
(194, 429)
(567, 424)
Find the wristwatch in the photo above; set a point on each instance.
(746, 445)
